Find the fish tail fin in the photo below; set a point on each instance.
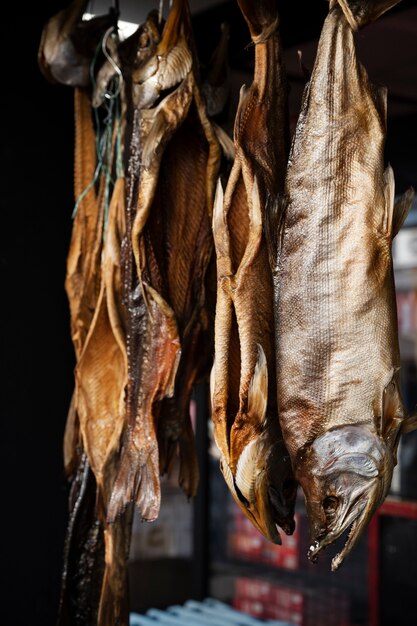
(258, 389)
(138, 482)
(358, 13)
(261, 18)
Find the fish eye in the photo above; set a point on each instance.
(330, 504)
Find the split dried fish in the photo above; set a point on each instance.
(254, 460)
(172, 143)
(336, 328)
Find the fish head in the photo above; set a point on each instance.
(165, 70)
(345, 475)
(264, 487)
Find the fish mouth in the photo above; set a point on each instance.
(355, 522)
(260, 514)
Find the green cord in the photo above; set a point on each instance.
(104, 146)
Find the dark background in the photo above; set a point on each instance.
(36, 206)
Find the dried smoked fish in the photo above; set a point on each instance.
(69, 43)
(254, 460)
(337, 347)
(173, 143)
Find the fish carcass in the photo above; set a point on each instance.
(337, 351)
(254, 459)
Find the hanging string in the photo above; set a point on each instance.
(105, 131)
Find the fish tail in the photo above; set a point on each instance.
(261, 18)
(358, 13)
(136, 482)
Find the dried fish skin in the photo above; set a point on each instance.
(83, 272)
(158, 353)
(101, 371)
(254, 459)
(337, 352)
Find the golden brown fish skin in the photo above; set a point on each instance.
(178, 237)
(101, 371)
(254, 460)
(83, 274)
(68, 44)
(336, 328)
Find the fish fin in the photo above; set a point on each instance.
(395, 213)
(409, 424)
(273, 223)
(389, 193)
(392, 413)
(174, 67)
(212, 382)
(306, 72)
(220, 229)
(226, 143)
(401, 209)
(360, 13)
(246, 470)
(258, 389)
(136, 482)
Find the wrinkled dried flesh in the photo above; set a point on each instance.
(101, 372)
(156, 360)
(83, 262)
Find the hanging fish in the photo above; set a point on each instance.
(69, 44)
(254, 460)
(336, 328)
(172, 143)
